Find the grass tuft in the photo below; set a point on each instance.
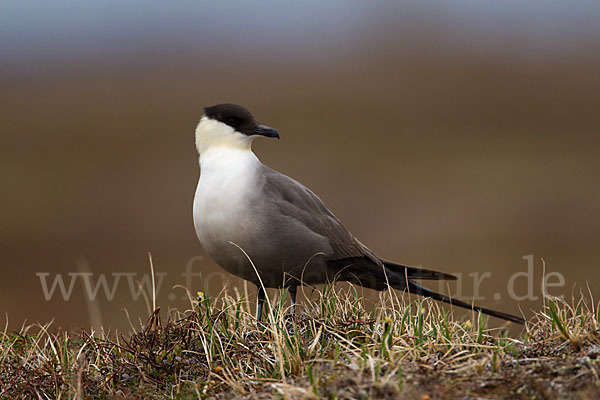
(332, 348)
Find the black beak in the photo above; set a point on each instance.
(267, 131)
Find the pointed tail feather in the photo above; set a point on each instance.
(365, 272)
(422, 291)
(417, 273)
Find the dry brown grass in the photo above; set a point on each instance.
(334, 348)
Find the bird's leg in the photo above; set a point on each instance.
(292, 289)
(260, 300)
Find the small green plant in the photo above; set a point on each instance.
(560, 323)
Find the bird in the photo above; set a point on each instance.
(269, 229)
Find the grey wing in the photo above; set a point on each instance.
(353, 260)
(298, 202)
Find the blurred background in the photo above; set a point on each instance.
(458, 135)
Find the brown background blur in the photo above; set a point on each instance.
(461, 136)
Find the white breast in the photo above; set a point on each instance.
(227, 184)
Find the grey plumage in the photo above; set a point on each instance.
(287, 232)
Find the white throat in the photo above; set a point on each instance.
(212, 133)
(227, 185)
(228, 162)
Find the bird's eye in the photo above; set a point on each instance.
(232, 120)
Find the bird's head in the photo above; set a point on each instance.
(229, 125)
